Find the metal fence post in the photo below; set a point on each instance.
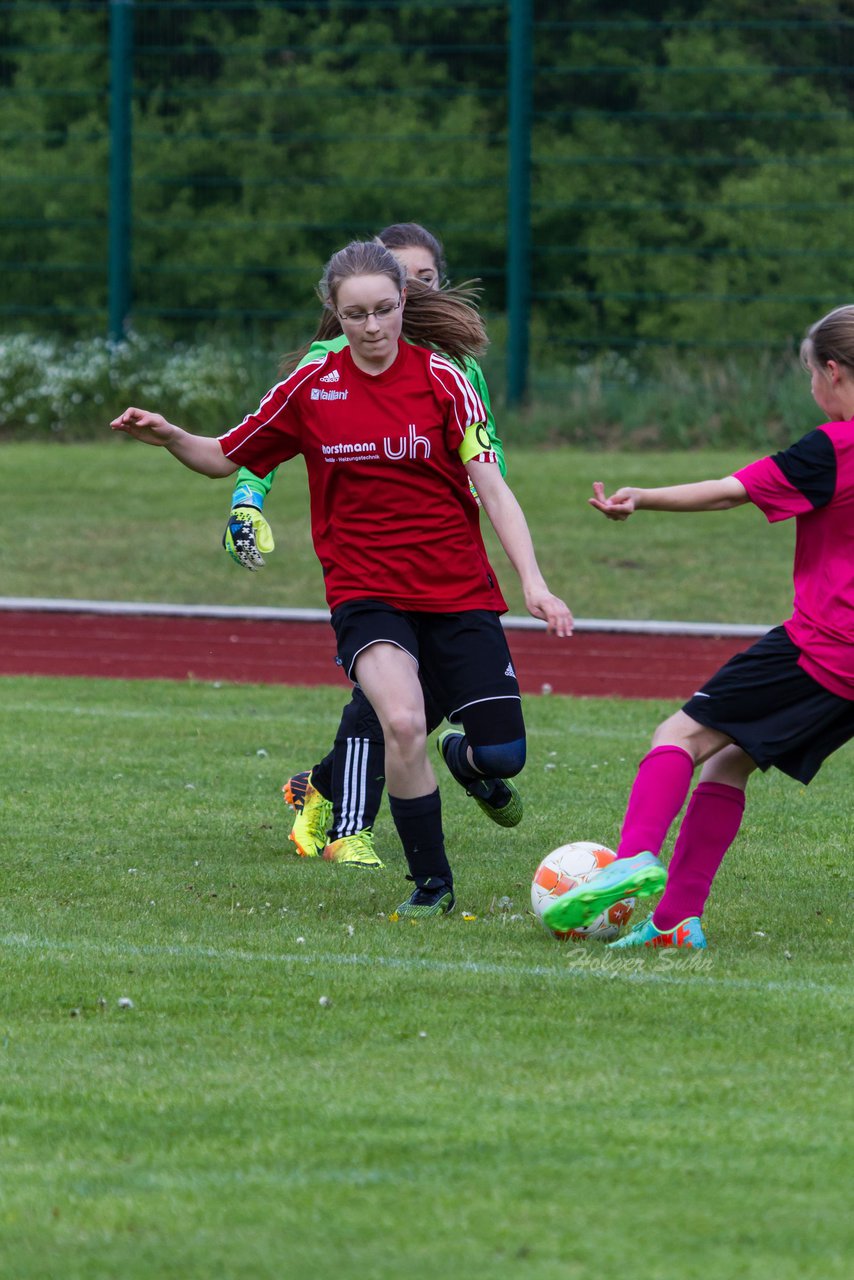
(119, 236)
(519, 207)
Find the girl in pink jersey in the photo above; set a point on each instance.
(787, 701)
(390, 434)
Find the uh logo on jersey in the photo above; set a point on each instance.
(412, 445)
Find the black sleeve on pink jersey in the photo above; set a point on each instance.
(809, 465)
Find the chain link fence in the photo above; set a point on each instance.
(617, 183)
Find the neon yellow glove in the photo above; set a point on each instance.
(248, 535)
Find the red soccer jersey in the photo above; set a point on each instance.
(813, 481)
(392, 517)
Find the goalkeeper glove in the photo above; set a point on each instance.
(246, 536)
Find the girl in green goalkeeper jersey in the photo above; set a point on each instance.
(336, 802)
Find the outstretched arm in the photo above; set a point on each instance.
(705, 495)
(508, 520)
(199, 453)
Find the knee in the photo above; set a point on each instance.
(679, 730)
(501, 759)
(405, 730)
(674, 731)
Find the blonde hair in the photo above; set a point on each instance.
(831, 338)
(445, 319)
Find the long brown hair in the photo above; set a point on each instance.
(445, 319)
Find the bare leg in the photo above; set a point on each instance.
(679, 730)
(730, 766)
(388, 677)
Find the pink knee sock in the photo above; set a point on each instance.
(658, 793)
(708, 829)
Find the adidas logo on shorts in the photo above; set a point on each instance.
(334, 376)
(510, 671)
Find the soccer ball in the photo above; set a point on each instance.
(564, 868)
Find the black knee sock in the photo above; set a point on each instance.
(419, 825)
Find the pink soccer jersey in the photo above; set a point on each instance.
(392, 518)
(813, 481)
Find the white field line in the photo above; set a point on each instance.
(671, 968)
(115, 608)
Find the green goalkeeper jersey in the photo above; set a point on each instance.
(251, 490)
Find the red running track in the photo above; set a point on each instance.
(591, 664)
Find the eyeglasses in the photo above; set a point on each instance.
(362, 317)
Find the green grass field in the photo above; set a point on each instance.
(474, 1097)
(120, 520)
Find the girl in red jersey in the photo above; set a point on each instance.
(336, 802)
(391, 433)
(787, 701)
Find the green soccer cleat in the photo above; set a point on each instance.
(636, 877)
(353, 851)
(313, 816)
(497, 797)
(435, 898)
(688, 933)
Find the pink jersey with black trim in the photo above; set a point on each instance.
(813, 481)
(392, 517)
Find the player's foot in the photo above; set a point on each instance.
(497, 797)
(688, 933)
(353, 851)
(435, 898)
(636, 877)
(311, 824)
(294, 790)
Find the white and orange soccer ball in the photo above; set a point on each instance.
(563, 869)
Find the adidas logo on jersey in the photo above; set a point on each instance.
(334, 376)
